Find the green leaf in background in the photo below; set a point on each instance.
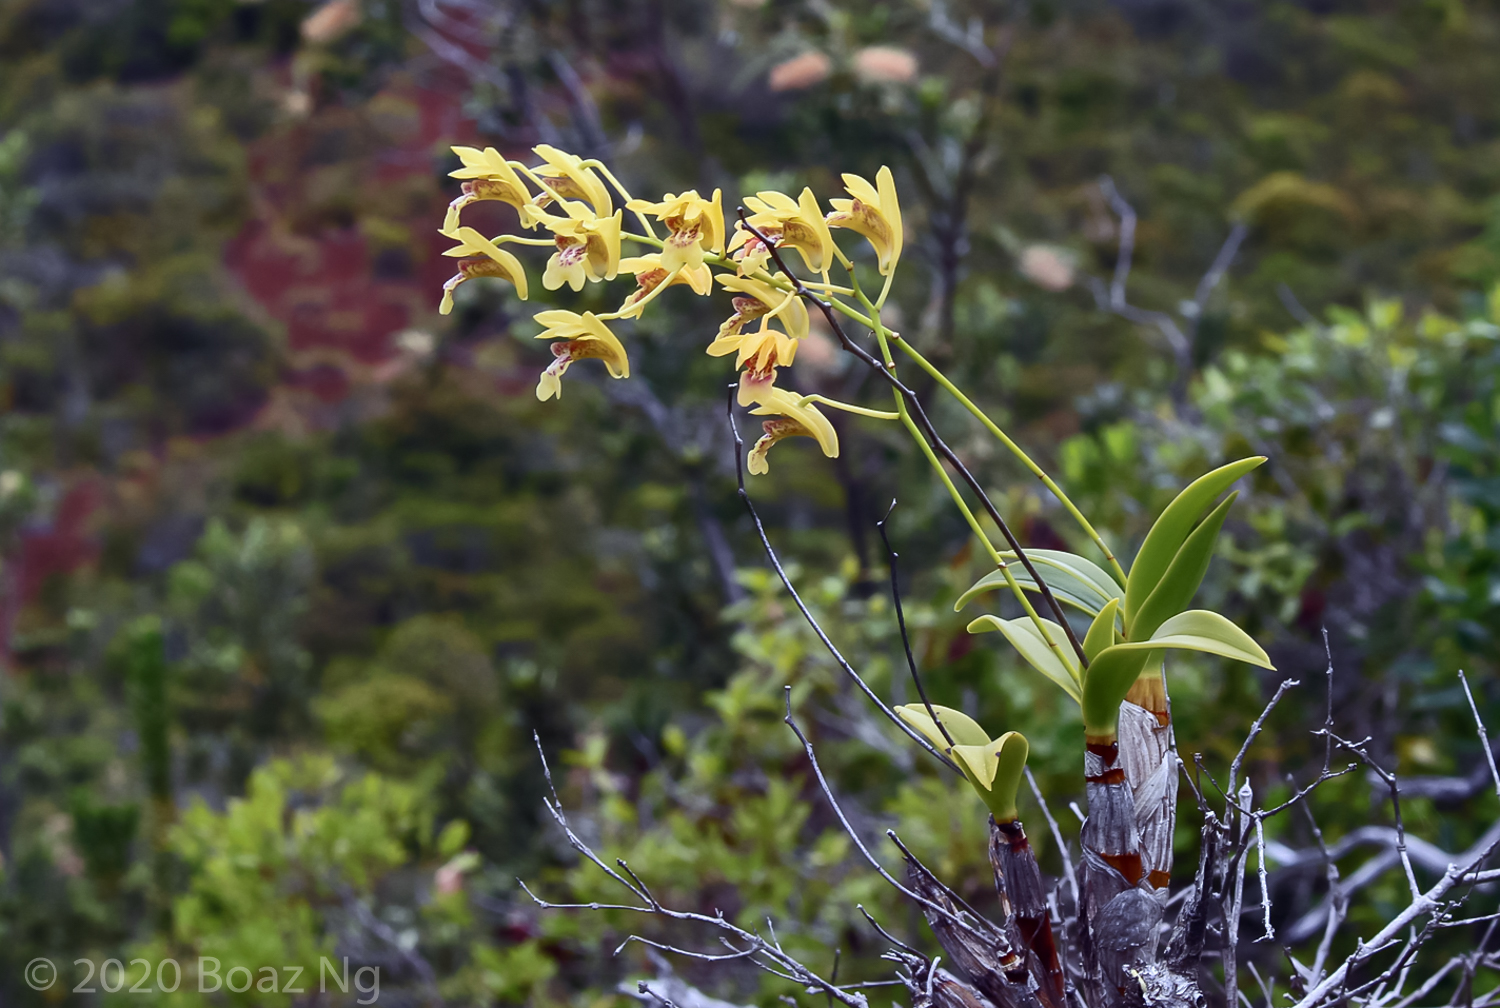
(1023, 634)
(1180, 583)
(1075, 580)
(454, 837)
(1102, 631)
(1172, 528)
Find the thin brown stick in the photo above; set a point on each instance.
(786, 581)
(911, 662)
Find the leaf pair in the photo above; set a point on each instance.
(1166, 574)
(1115, 663)
(1172, 561)
(1113, 669)
(1147, 614)
(993, 766)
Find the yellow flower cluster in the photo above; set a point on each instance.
(567, 197)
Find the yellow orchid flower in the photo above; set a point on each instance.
(873, 212)
(796, 223)
(488, 176)
(581, 337)
(794, 419)
(650, 274)
(773, 303)
(752, 254)
(761, 352)
(566, 175)
(696, 226)
(480, 257)
(588, 248)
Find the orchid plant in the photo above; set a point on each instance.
(1112, 666)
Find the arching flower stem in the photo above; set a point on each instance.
(829, 287)
(1018, 452)
(904, 414)
(508, 239)
(635, 309)
(540, 182)
(603, 169)
(885, 290)
(848, 407)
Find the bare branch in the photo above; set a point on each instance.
(554, 807)
(1063, 851)
(1484, 738)
(1265, 888)
(387, 934)
(970, 38)
(1219, 267)
(1338, 902)
(765, 955)
(1294, 307)
(1255, 729)
(911, 663)
(1424, 904)
(849, 829)
(1390, 780)
(1431, 982)
(1115, 299)
(595, 142)
(838, 656)
(883, 932)
(1233, 898)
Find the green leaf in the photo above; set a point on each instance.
(1201, 630)
(1068, 593)
(1102, 631)
(453, 838)
(1112, 673)
(1023, 634)
(1171, 529)
(1013, 750)
(1109, 677)
(1071, 563)
(1180, 583)
(964, 729)
(979, 762)
(1075, 580)
(995, 770)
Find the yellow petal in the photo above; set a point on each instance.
(890, 206)
(515, 272)
(786, 403)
